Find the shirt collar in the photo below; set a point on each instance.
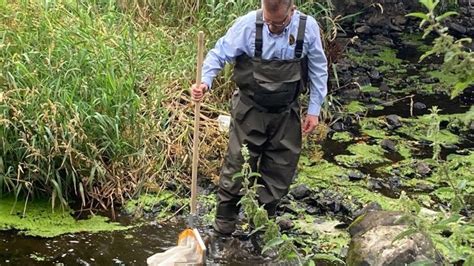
(294, 19)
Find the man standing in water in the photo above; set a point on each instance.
(277, 51)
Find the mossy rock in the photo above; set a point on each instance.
(373, 236)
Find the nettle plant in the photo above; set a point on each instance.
(256, 215)
(451, 232)
(458, 60)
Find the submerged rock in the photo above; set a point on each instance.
(371, 207)
(377, 184)
(459, 29)
(350, 94)
(363, 29)
(467, 96)
(300, 192)
(375, 74)
(424, 187)
(332, 203)
(384, 87)
(338, 127)
(429, 80)
(363, 80)
(285, 224)
(355, 176)
(423, 169)
(393, 121)
(371, 219)
(389, 145)
(419, 106)
(372, 242)
(382, 41)
(394, 183)
(399, 20)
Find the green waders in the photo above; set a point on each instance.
(266, 117)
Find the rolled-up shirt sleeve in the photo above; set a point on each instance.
(317, 68)
(227, 48)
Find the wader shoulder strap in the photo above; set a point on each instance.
(258, 34)
(300, 38)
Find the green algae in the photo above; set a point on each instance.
(404, 149)
(325, 175)
(342, 136)
(319, 172)
(389, 57)
(414, 183)
(324, 235)
(374, 133)
(362, 154)
(372, 128)
(315, 177)
(418, 129)
(355, 107)
(164, 202)
(405, 168)
(461, 121)
(446, 80)
(208, 202)
(333, 243)
(40, 220)
(386, 55)
(416, 41)
(460, 171)
(369, 89)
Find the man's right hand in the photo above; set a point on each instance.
(197, 93)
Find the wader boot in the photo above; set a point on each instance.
(265, 116)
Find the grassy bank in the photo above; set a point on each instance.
(93, 101)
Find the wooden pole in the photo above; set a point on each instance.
(197, 110)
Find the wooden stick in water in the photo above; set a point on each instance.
(197, 110)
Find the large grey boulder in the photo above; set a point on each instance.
(372, 242)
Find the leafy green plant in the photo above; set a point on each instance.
(458, 60)
(89, 107)
(456, 246)
(258, 216)
(456, 186)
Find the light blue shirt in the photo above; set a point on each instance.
(240, 39)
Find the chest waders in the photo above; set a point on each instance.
(265, 116)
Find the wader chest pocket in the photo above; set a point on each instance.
(277, 82)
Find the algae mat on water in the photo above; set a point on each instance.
(40, 220)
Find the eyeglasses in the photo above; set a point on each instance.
(278, 25)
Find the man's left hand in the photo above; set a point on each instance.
(310, 123)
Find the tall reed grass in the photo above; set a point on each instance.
(93, 96)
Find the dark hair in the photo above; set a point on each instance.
(275, 5)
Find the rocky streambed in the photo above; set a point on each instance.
(374, 165)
